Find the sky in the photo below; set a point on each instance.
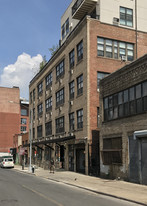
(28, 28)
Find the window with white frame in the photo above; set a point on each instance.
(115, 49)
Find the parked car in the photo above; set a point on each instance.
(7, 162)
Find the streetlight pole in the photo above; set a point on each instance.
(30, 169)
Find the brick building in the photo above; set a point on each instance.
(96, 39)
(9, 117)
(123, 103)
(14, 119)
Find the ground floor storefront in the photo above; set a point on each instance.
(78, 155)
(123, 156)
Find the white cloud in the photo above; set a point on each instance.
(20, 73)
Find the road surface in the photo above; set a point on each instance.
(19, 189)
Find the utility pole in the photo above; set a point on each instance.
(30, 168)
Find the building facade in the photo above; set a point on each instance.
(123, 137)
(64, 95)
(9, 117)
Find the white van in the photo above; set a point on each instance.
(7, 162)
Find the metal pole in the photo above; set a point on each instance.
(30, 169)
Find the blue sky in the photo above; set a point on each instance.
(28, 28)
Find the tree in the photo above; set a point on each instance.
(43, 62)
(53, 49)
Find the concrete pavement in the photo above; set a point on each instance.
(116, 188)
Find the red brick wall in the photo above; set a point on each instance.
(107, 64)
(8, 127)
(9, 117)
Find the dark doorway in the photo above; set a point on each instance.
(144, 161)
(80, 161)
(62, 156)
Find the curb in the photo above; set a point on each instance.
(97, 192)
(94, 191)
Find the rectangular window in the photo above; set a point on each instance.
(127, 102)
(23, 129)
(80, 119)
(126, 17)
(80, 51)
(72, 58)
(34, 94)
(71, 89)
(100, 46)
(24, 112)
(60, 125)
(115, 49)
(23, 121)
(39, 131)
(112, 151)
(40, 109)
(34, 114)
(60, 70)
(108, 48)
(40, 88)
(60, 97)
(144, 93)
(80, 85)
(67, 26)
(63, 31)
(48, 128)
(71, 122)
(31, 97)
(49, 80)
(100, 75)
(48, 104)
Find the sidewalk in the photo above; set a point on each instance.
(120, 189)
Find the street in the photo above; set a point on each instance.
(18, 189)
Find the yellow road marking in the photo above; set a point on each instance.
(42, 195)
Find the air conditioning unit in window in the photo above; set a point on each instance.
(46, 115)
(115, 21)
(71, 103)
(71, 134)
(71, 71)
(71, 25)
(60, 109)
(46, 92)
(124, 58)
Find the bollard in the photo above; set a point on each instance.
(33, 169)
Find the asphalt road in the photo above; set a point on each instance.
(19, 189)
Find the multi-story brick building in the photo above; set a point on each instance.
(9, 117)
(13, 116)
(97, 38)
(123, 103)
